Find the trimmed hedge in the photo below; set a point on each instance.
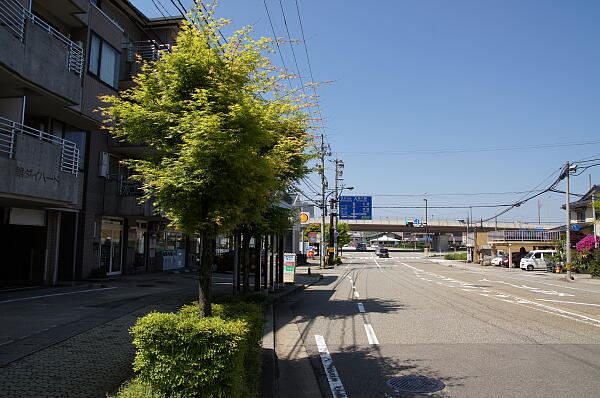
(456, 256)
(185, 355)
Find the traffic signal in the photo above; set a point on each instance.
(410, 224)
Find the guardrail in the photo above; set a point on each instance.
(13, 16)
(148, 50)
(523, 236)
(69, 154)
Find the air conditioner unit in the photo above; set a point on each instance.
(104, 166)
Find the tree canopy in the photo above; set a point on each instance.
(227, 136)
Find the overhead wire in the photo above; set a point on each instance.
(277, 44)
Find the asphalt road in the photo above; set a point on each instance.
(482, 331)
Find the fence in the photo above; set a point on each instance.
(523, 236)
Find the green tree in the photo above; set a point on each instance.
(226, 136)
(343, 231)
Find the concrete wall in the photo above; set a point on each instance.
(34, 171)
(41, 59)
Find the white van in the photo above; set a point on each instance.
(537, 259)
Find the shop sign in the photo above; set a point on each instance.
(289, 267)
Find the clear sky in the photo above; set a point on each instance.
(446, 97)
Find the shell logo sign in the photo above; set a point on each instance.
(304, 216)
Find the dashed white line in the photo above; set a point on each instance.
(371, 334)
(56, 294)
(335, 383)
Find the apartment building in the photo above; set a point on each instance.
(67, 207)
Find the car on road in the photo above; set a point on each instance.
(537, 259)
(361, 247)
(382, 252)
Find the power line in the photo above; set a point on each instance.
(291, 46)
(277, 43)
(485, 149)
(159, 10)
(454, 194)
(312, 78)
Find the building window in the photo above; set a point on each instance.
(580, 215)
(104, 61)
(73, 134)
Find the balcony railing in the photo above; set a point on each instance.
(69, 154)
(148, 50)
(523, 236)
(13, 16)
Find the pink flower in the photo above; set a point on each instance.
(586, 245)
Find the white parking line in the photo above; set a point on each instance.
(361, 307)
(56, 294)
(379, 266)
(371, 334)
(335, 383)
(569, 302)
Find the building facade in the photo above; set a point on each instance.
(67, 207)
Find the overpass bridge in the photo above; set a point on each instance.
(434, 226)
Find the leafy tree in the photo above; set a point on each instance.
(343, 231)
(226, 136)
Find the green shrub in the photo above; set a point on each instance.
(185, 355)
(136, 388)
(456, 256)
(594, 264)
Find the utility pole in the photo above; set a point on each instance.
(594, 214)
(339, 165)
(330, 249)
(539, 217)
(323, 204)
(426, 228)
(568, 224)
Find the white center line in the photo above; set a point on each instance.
(56, 294)
(361, 307)
(371, 334)
(335, 383)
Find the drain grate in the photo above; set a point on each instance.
(416, 384)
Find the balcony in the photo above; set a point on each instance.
(523, 236)
(36, 51)
(37, 164)
(147, 50)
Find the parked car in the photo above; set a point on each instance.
(497, 261)
(537, 259)
(516, 259)
(361, 247)
(382, 252)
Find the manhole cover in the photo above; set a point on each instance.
(417, 384)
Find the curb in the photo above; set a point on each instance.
(270, 370)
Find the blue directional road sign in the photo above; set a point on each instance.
(417, 221)
(356, 207)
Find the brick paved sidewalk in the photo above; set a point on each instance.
(87, 365)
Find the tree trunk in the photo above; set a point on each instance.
(246, 261)
(257, 262)
(204, 299)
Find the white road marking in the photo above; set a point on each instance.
(356, 295)
(7, 342)
(56, 294)
(361, 307)
(569, 302)
(371, 334)
(530, 288)
(526, 303)
(335, 383)
(379, 266)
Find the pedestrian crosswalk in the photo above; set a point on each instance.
(393, 257)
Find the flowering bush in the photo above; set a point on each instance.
(586, 245)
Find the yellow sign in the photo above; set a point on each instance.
(304, 218)
(331, 250)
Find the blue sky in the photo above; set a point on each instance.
(498, 83)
